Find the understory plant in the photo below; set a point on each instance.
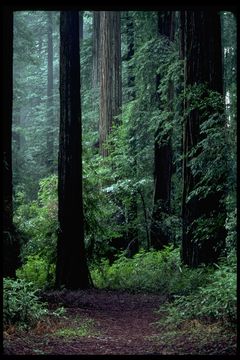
(38, 222)
(21, 305)
(155, 271)
(38, 271)
(214, 300)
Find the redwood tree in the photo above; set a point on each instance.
(201, 49)
(50, 114)
(96, 48)
(132, 233)
(11, 245)
(162, 153)
(110, 79)
(72, 270)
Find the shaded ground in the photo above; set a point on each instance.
(116, 323)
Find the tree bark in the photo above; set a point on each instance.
(81, 25)
(96, 61)
(110, 79)
(133, 207)
(130, 54)
(72, 270)
(11, 246)
(162, 154)
(50, 112)
(96, 48)
(201, 48)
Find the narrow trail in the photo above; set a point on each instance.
(122, 324)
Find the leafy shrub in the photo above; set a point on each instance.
(217, 299)
(231, 221)
(38, 271)
(149, 271)
(21, 305)
(38, 221)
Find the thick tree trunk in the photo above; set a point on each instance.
(117, 79)
(72, 271)
(132, 234)
(130, 54)
(81, 25)
(96, 48)
(201, 47)
(11, 247)
(110, 79)
(16, 146)
(162, 155)
(50, 112)
(96, 61)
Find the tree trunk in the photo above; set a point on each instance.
(201, 47)
(129, 56)
(11, 246)
(133, 208)
(110, 79)
(117, 79)
(71, 271)
(81, 25)
(162, 154)
(50, 112)
(96, 48)
(96, 60)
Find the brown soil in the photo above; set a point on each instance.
(123, 324)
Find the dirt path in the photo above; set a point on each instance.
(121, 324)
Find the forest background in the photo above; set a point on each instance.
(158, 174)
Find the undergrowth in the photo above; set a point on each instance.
(215, 300)
(153, 271)
(207, 292)
(79, 328)
(22, 306)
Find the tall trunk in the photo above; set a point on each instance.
(110, 79)
(11, 247)
(96, 47)
(130, 54)
(50, 112)
(71, 271)
(16, 146)
(96, 60)
(162, 154)
(133, 208)
(117, 79)
(201, 47)
(81, 25)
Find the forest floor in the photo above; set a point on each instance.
(101, 322)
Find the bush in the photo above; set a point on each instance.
(38, 221)
(38, 271)
(21, 305)
(149, 271)
(216, 300)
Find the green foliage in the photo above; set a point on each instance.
(208, 159)
(38, 223)
(37, 271)
(82, 327)
(98, 206)
(159, 271)
(30, 103)
(231, 222)
(110, 185)
(38, 220)
(21, 305)
(216, 299)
